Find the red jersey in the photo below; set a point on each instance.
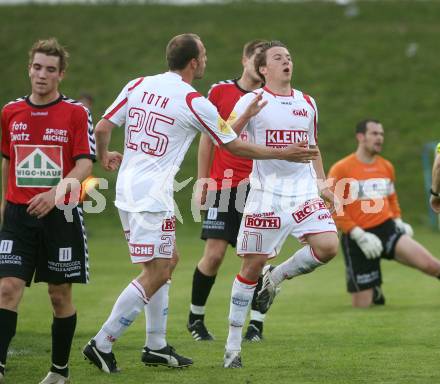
(42, 143)
(224, 95)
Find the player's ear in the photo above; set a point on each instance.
(193, 63)
(62, 73)
(360, 136)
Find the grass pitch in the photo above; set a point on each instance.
(312, 335)
(382, 62)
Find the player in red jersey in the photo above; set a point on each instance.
(46, 140)
(230, 174)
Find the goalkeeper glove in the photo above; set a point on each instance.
(403, 227)
(368, 242)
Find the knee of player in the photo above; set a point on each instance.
(252, 267)
(10, 290)
(59, 296)
(214, 253)
(328, 250)
(215, 259)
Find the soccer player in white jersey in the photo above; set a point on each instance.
(284, 198)
(162, 114)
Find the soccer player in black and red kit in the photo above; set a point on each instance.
(221, 224)
(47, 139)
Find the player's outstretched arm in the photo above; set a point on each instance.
(323, 185)
(110, 161)
(297, 152)
(204, 162)
(255, 106)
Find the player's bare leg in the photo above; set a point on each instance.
(243, 289)
(11, 292)
(362, 299)
(410, 252)
(213, 256)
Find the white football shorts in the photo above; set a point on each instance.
(267, 222)
(149, 234)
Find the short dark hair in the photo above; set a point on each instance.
(251, 46)
(260, 58)
(50, 47)
(361, 127)
(181, 50)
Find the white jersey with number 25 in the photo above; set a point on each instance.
(162, 114)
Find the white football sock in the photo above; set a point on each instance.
(302, 262)
(128, 305)
(241, 298)
(157, 314)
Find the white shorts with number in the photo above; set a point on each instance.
(149, 235)
(268, 220)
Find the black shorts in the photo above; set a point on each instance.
(222, 220)
(363, 273)
(53, 248)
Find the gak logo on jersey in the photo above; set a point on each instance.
(300, 112)
(281, 139)
(38, 165)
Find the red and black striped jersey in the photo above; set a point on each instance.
(42, 143)
(224, 95)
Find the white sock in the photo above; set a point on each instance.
(241, 298)
(302, 262)
(128, 305)
(156, 313)
(197, 309)
(257, 316)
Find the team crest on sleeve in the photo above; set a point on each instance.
(38, 165)
(223, 126)
(232, 117)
